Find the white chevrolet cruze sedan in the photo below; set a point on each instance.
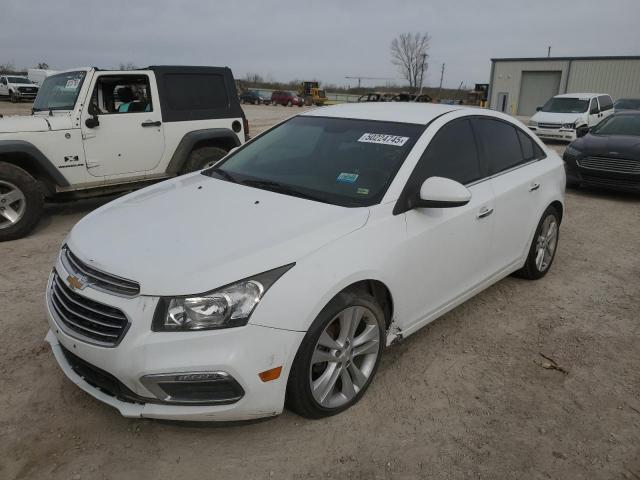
(280, 274)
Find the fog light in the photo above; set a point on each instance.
(194, 388)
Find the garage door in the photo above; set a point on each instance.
(535, 89)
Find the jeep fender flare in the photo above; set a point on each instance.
(37, 161)
(191, 139)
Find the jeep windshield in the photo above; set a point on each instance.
(59, 92)
(566, 105)
(340, 161)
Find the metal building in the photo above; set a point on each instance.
(519, 85)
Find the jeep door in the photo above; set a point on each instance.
(122, 125)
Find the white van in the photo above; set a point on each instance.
(559, 118)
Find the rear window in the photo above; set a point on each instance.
(196, 91)
(605, 102)
(530, 150)
(501, 144)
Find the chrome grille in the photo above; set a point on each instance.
(551, 126)
(87, 319)
(608, 164)
(97, 279)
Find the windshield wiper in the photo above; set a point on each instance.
(281, 188)
(226, 175)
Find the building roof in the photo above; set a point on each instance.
(547, 59)
(402, 112)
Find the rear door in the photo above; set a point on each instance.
(594, 112)
(447, 248)
(512, 157)
(606, 106)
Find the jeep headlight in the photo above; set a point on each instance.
(569, 125)
(532, 123)
(225, 307)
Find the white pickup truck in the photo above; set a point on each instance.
(17, 88)
(94, 132)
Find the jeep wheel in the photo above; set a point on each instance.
(201, 157)
(21, 202)
(12, 97)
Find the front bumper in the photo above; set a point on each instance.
(241, 352)
(559, 134)
(577, 175)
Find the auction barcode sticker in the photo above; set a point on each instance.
(383, 139)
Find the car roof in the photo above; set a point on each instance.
(580, 95)
(418, 113)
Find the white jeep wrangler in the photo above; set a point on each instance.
(95, 132)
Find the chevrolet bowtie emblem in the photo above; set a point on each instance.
(75, 283)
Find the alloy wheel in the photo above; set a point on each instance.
(546, 243)
(13, 204)
(344, 357)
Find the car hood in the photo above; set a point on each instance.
(196, 233)
(549, 117)
(623, 146)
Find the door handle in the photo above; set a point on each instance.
(485, 212)
(534, 186)
(149, 123)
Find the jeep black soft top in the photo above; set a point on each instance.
(196, 93)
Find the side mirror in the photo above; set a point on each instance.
(582, 130)
(92, 122)
(538, 109)
(439, 192)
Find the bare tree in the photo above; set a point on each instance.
(127, 66)
(7, 67)
(254, 78)
(409, 53)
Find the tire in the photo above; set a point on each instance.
(12, 97)
(21, 202)
(307, 369)
(201, 157)
(536, 267)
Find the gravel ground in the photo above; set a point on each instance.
(466, 397)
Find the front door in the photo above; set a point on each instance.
(129, 138)
(595, 115)
(446, 250)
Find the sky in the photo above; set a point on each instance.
(324, 40)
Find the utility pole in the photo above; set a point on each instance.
(441, 77)
(549, 51)
(424, 59)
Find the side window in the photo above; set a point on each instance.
(605, 102)
(196, 91)
(120, 94)
(593, 106)
(530, 149)
(451, 154)
(500, 143)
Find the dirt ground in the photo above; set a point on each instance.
(466, 397)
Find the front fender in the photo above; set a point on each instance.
(36, 160)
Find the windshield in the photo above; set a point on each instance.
(59, 92)
(627, 104)
(332, 160)
(566, 105)
(618, 125)
(18, 80)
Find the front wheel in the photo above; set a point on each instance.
(12, 97)
(21, 202)
(338, 357)
(544, 245)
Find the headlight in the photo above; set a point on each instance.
(569, 125)
(225, 307)
(532, 123)
(571, 152)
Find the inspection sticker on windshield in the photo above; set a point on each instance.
(72, 83)
(383, 139)
(347, 177)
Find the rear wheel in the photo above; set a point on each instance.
(544, 245)
(202, 157)
(338, 357)
(21, 202)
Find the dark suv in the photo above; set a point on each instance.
(289, 99)
(254, 97)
